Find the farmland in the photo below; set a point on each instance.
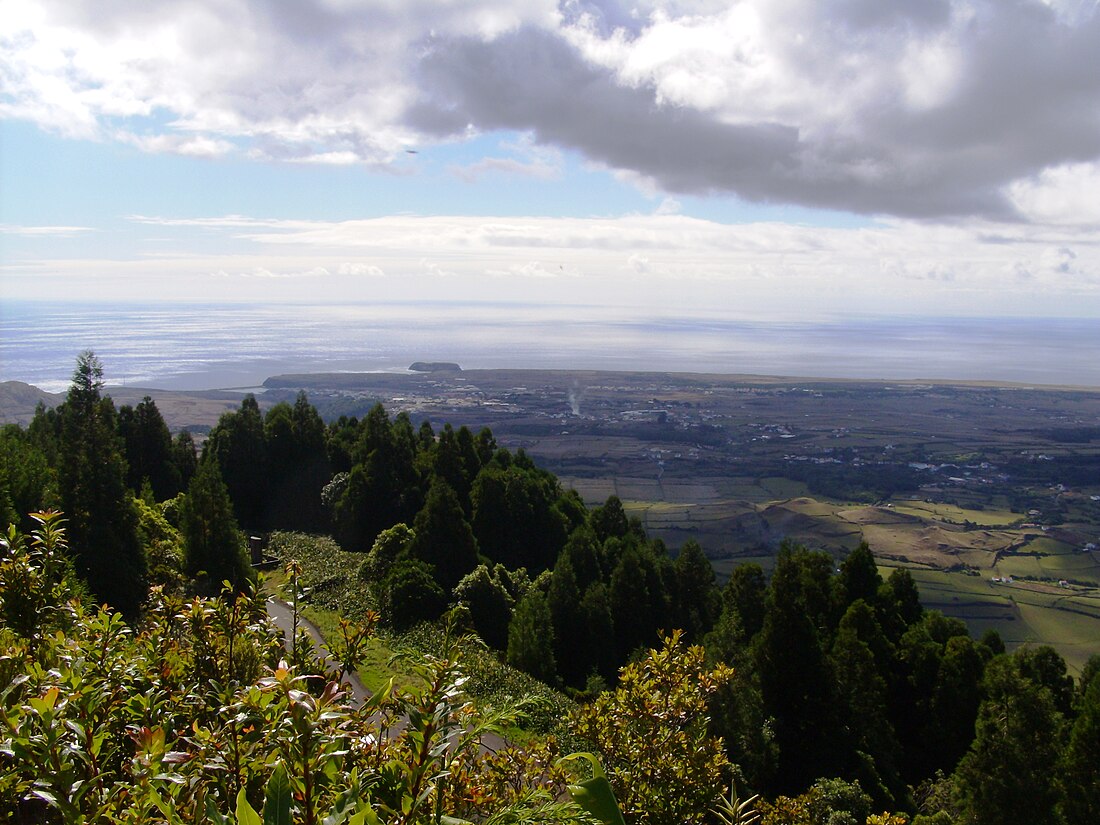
(990, 494)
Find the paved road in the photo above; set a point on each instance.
(282, 615)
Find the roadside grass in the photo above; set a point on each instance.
(336, 591)
(322, 561)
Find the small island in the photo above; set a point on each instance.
(434, 366)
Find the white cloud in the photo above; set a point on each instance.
(360, 270)
(190, 145)
(922, 109)
(657, 261)
(43, 231)
(1063, 195)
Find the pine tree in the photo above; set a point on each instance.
(212, 543)
(1079, 772)
(795, 677)
(1008, 775)
(745, 594)
(237, 443)
(531, 637)
(101, 521)
(698, 603)
(149, 451)
(443, 538)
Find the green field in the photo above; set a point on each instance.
(929, 539)
(1021, 613)
(952, 514)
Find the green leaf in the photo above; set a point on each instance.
(595, 795)
(277, 802)
(162, 806)
(213, 814)
(246, 814)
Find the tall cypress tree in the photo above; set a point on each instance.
(102, 523)
(149, 451)
(1008, 775)
(443, 537)
(1079, 772)
(239, 446)
(797, 682)
(212, 543)
(531, 637)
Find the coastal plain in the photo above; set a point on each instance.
(988, 493)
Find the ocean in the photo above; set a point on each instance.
(214, 346)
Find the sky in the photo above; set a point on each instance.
(765, 158)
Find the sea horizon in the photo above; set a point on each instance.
(203, 346)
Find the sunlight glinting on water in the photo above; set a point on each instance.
(210, 346)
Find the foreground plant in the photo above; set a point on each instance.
(652, 734)
(194, 715)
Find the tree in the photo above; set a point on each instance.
(634, 604)
(185, 457)
(443, 538)
(390, 545)
(596, 647)
(531, 637)
(410, 594)
(1079, 771)
(102, 523)
(212, 546)
(652, 732)
(27, 482)
(298, 466)
(237, 443)
(859, 578)
(149, 451)
(449, 462)
(795, 676)
(1045, 666)
(916, 716)
(745, 593)
(569, 627)
(609, 520)
(900, 599)
(1008, 775)
(862, 691)
(514, 518)
(955, 700)
(383, 486)
(490, 605)
(698, 602)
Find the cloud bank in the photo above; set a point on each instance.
(925, 109)
(661, 261)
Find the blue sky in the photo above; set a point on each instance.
(765, 158)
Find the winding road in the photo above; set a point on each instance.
(282, 614)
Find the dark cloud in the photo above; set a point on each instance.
(875, 14)
(533, 80)
(1025, 98)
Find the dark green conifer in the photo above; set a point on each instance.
(213, 548)
(98, 506)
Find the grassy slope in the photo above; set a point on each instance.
(336, 591)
